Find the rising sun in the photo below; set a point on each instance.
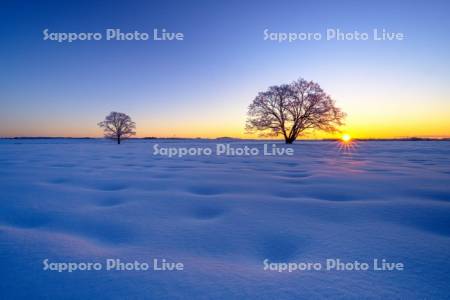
(346, 138)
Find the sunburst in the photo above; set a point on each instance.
(346, 143)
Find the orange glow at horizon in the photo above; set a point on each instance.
(354, 132)
(394, 126)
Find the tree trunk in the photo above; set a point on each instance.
(118, 140)
(289, 140)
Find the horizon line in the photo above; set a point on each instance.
(407, 138)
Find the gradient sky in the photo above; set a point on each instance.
(202, 86)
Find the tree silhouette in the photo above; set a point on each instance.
(118, 126)
(291, 109)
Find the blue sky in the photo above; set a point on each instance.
(202, 86)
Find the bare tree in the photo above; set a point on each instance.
(118, 126)
(292, 109)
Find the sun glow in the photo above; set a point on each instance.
(346, 144)
(346, 138)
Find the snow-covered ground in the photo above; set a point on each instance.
(90, 200)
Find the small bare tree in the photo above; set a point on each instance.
(118, 126)
(291, 109)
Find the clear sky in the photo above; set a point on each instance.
(202, 86)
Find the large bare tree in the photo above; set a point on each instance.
(118, 126)
(292, 109)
